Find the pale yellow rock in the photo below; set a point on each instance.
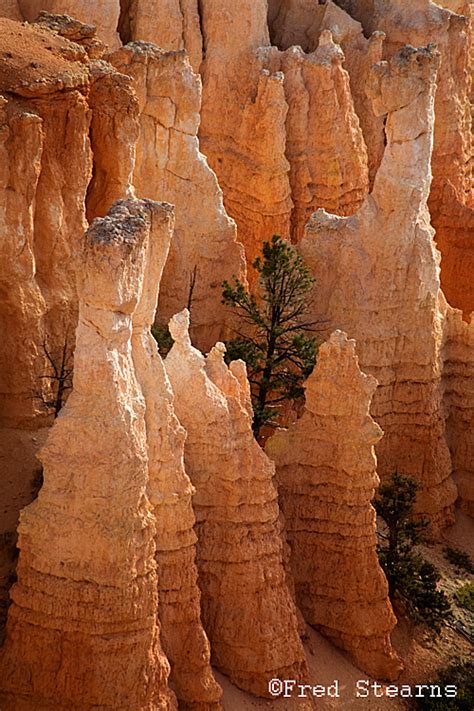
(170, 492)
(326, 472)
(377, 278)
(82, 629)
(246, 606)
(170, 166)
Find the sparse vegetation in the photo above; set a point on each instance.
(274, 342)
(58, 379)
(163, 338)
(459, 559)
(459, 674)
(465, 596)
(411, 579)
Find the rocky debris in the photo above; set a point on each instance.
(378, 279)
(82, 629)
(204, 251)
(169, 24)
(246, 607)
(170, 492)
(326, 472)
(103, 15)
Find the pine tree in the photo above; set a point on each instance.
(275, 346)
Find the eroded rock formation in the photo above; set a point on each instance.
(170, 492)
(104, 14)
(169, 24)
(326, 473)
(57, 102)
(301, 22)
(325, 150)
(458, 398)
(246, 607)
(170, 167)
(378, 279)
(82, 630)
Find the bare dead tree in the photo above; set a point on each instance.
(59, 379)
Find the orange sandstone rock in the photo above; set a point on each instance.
(325, 148)
(301, 22)
(377, 278)
(458, 398)
(247, 609)
(104, 14)
(82, 630)
(326, 471)
(10, 9)
(243, 130)
(170, 24)
(170, 492)
(170, 167)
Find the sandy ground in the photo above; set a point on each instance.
(422, 654)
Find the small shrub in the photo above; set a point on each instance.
(459, 674)
(465, 596)
(459, 559)
(411, 578)
(163, 338)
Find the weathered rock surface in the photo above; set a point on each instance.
(246, 606)
(325, 150)
(326, 472)
(104, 14)
(170, 24)
(378, 279)
(82, 630)
(170, 167)
(10, 9)
(458, 398)
(57, 101)
(301, 22)
(419, 23)
(170, 492)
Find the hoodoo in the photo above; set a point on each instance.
(82, 630)
(326, 473)
(240, 550)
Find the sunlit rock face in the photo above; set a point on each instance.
(88, 542)
(378, 279)
(239, 548)
(326, 473)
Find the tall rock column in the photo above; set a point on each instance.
(326, 472)
(246, 606)
(82, 630)
(170, 492)
(204, 251)
(377, 276)
(244, 112)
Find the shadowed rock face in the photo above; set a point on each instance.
(326, 472)
(378, 279)
(170, 166)
(170, 492)
(88, 541)
(169, 24)
(246, 607)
